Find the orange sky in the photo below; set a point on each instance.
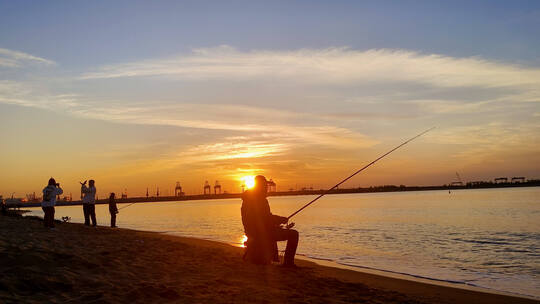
(145, 104)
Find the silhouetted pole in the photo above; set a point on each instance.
(362, 169)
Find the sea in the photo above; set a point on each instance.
(487, 238)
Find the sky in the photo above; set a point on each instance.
(140, 94)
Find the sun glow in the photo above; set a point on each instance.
(249, 181)
(243, 241)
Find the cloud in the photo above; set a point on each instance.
(480, 142)
(280, 125)
(277, 101)
(489, 134)
(226, 117)
(331, 66)
(453, 106)
(13, 59)
(226, 150)
(234, 150)
(284, 112)
(22, 94)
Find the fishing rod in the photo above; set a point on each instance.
(360, 170)
(125, 206)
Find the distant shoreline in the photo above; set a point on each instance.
(376, 189)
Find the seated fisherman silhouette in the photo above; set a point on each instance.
(263, 229)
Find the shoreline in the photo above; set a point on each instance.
(415, 278)
(411, 276)
(171, 267)
(377, 189)
(382, 272)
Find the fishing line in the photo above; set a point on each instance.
(125, 206)
(360, 170)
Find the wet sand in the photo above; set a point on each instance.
(78, 264)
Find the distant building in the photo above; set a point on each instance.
(518, 180)
(501, 180)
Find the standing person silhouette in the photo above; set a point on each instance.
(49, 200)
(113, 210)
(89, 202)
(262, 227)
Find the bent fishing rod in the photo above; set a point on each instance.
(360, 170)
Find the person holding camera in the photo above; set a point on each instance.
(49, 200)
(89, 202)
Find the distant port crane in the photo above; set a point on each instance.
(217, 188)
(459, 182)
(178, 190)
(207, 188)
(271, 186)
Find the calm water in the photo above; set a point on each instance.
(488, 238)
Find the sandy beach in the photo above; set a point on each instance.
(78, 264)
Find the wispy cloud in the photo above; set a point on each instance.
(225, 150)
(259, 120)
(480, 142)
(272, 108)
(13, 59)
(330, 66)
(495, 133)
(233, 118)
(228, 149)
(233, 150)
(21, 94)
(453, 106)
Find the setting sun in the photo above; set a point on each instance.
(249, 181)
